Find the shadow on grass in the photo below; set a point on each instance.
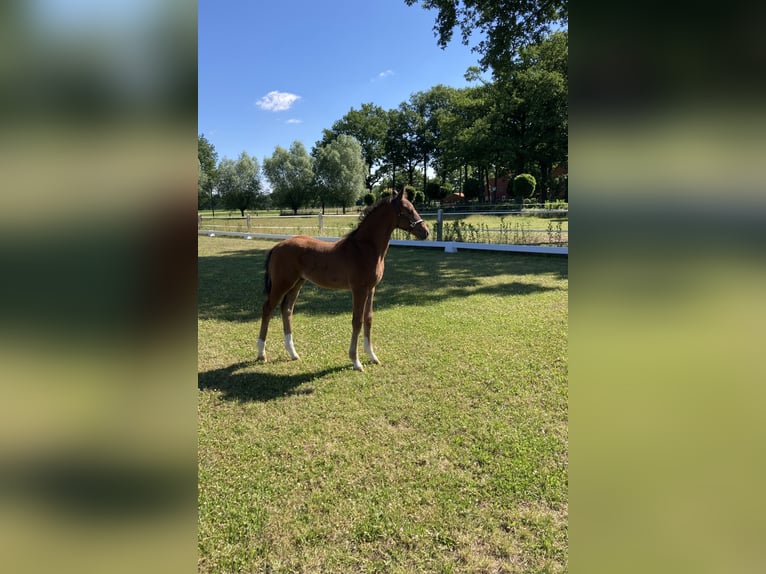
(239, 384)
(231, 285)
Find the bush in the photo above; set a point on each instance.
(524, 185)
(556, 204)
(368, 199)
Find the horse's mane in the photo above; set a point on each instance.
(368, 210)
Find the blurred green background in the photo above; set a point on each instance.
(97, 296)
(667, 283)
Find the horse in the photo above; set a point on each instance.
(354, 263)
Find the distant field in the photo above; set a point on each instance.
(451, 456)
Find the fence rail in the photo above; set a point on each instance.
(449, 235)
(448, 246)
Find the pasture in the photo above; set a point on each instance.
(451, 456)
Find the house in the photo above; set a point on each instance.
(497, 190)
(453, 198)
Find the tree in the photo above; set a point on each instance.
(541, 81)
(207, 158)
(239, 183)
(400, 144)
(429, 107)
(506, 26)
(290, 173)
(434, 191)
(368, 126)
(516, 123)
(339, 171)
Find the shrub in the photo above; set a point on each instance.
(368, 199)
(524, 185)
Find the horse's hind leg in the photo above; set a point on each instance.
(276, 292)
(268, 309)
(287, 317)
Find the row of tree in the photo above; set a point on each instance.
(515, 123)
(332, 175)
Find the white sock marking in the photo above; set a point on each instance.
(290, 347)
(369, 351)
(261, 349)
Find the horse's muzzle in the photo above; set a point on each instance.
(421, 231)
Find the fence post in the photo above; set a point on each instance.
(439, 223)
(248, 222)
(321, 224)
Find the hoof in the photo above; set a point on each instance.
(261, 358)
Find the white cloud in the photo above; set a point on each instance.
(276, 101)
(294, 121)
(383, 75)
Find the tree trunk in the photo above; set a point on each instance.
(465, 177)
(545, 179)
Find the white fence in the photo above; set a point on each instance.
(448, 246)
(254, 230)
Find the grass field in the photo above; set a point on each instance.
(451, 456)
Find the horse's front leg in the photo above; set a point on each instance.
(360, 297)
(368, 327)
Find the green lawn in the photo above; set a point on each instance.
(451, 456)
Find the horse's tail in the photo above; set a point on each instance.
(267, 276)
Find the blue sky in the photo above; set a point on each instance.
(271, 73)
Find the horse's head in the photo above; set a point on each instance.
(407, 217)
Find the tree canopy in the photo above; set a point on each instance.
(239, 182)
(368, 125)
(207, 158)
(340, 171)
(291, 175)
(506, 26)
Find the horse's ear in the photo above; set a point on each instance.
(404, 194)
(394, 195)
